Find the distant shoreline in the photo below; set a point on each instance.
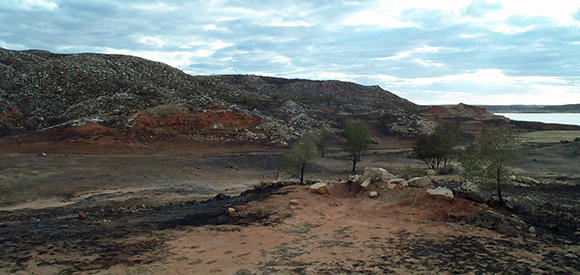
(532, 109)
(548, 118)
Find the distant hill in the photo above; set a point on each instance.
(116, 98)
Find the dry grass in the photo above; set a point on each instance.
(550, 136)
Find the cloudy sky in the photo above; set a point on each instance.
(430, 52)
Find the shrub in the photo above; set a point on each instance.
(410, 172)
(446, 170)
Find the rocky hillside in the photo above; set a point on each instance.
(97, 97)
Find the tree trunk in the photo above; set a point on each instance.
(302, 173)
(498, 178)
(354, 159)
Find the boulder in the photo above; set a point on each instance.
(398, 181)
(440, 192)
(319, 188)
(293, 202)
(392, 186)
(420, 182)
(373, 194)
(473, 191)
(366, 184)
(377, 174)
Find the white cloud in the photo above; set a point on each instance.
(30, 4)
(150, 41)
(409, 53)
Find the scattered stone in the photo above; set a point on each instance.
(377, 174)
(441, 193)
(82, 215)
(319, 188)
(231, 211)
(532, 230)
(293, 202)
(366, 184)
(420, 182)
(398, 181)
(355, 178)
(334, 204)
(373, 194)
(42, 154)
(391, 186)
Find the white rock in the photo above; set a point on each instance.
(373, 194)
(420, 182)
(401, 182)
(391, 186)
(355, 178)
(377, 174)
(230, 211)
(365, 184)
(441, 193)
(319, 188)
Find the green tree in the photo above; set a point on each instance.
(492, 158)
(437, 148)
(357, 140)
(302, 153)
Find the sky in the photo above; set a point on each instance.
(429, 52)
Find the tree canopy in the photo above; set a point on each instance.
(357, 140)
(492, 158)
(302, 153)
(437, 148)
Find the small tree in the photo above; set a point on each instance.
(299, 157)
(437, 148)
(357, 141)
(492, 158)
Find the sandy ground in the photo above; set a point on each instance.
(148, 213)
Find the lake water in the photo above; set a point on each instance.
(570, 119)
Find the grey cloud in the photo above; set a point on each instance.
(258, 36)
